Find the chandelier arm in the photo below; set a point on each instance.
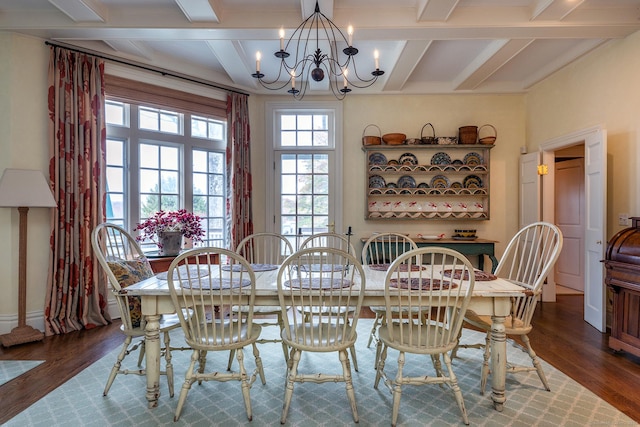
(308, 63)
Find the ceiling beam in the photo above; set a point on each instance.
(129, 47)
(200, 10)
(82, 10)
(488, 62)
(307, 7)
(435, 10)
(553, 10)
(230, 54)
(412, 53)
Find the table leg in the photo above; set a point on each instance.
(152, 359)
(498, 362)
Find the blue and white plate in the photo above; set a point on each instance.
(408, 159)
(441, 159)
(473, 159)
(376, 181)
(472, 181)
(377, 159)
(406, 181)
(440, 181)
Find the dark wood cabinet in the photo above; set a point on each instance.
(622, 265)
(161, 264)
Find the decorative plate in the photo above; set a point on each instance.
(406, 181)
(376, 181)
(440, 159)
(377, 159)
(472, 181)
(392, 185)
(457, 162)
(473, 159)
(393, 162)
(408, 159)
(456, 185)
(440, 181)
(423, 185)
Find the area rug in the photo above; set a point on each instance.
(10, 369)
(80, 402)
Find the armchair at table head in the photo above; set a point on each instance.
(527, 261)
(125, 264)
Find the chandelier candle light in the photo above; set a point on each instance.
(310, 62)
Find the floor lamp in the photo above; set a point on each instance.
(23, 189)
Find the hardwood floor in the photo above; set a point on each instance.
(559, 336)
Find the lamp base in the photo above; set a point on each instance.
(21, 335)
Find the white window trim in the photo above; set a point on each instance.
(337, 183)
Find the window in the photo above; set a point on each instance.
(306, 168)
(160, 159)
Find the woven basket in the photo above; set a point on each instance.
(468, 134)
(490, 139)
(371, 140)
(428, 139)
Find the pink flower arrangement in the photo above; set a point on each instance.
(185, 222)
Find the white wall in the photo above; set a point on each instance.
(599, 89)
(408, 114)
(23, 144)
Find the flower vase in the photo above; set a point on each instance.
(169, 243)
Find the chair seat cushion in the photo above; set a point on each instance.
(127, 273)
(512, 327)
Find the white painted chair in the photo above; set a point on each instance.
(125, 264)
(379, 251)
(265, 251)
(527, 260)
(338, 285)
(336, 241)
(424, 315)
(209, 280)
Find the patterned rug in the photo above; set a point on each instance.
(80, 401)
(10, 369)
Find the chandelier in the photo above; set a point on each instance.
(310, 61)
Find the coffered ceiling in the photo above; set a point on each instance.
(426, 46)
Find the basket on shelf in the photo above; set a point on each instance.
(371, 139)
(394, 138)
(468, 134)
(491, 139)
(428, 139)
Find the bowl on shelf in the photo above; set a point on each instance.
(394, 138)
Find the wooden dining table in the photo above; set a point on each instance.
(491, 297)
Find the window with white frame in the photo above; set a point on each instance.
(307, 169)
(159, 159)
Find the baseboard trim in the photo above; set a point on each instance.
(35, 319)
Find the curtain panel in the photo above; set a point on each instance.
(239, 186)
(77, 293)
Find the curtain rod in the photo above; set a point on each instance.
(145, 67)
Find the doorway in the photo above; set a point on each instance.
(594, 140)
(570, 217)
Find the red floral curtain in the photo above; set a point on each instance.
(239, 188)
(76, 294)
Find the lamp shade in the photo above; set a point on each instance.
(25, 188)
